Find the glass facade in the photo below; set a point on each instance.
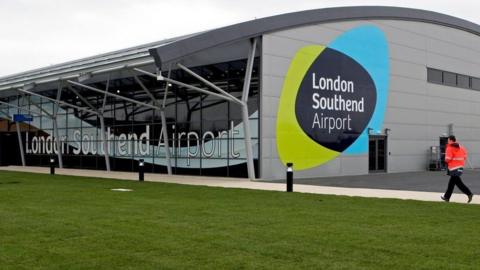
(205, 133)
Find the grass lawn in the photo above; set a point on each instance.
(65, 222)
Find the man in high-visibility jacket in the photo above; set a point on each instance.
(455, 157)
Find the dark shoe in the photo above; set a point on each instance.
(470, 197)
(443, 198)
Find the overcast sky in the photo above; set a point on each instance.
(38, 33)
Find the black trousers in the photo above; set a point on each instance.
(456, 180)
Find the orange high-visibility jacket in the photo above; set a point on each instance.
(455, 157)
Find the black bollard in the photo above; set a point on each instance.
(141, 170)
(289, 177)
(52, 166)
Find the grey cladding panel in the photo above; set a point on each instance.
(406, 116)
(453, 51)
(407, 54)
(407, 100)
(270, 106)
(282, 46)
(409, 70)
(407, 131)
(272, 86)
(354, 165)
(407, 85)
(275, 65)
(448, 63)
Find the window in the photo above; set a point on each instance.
(463, 81)
(434, 76)
(475, 83)
(449, 78)
(452, 79)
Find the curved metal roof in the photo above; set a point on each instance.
(176, 48)
(133, 55)
(229, 34)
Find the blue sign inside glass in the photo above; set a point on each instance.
(22, 118)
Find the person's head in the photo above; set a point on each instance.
(452, 139)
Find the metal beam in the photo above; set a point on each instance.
(34, 103)
(53, 100)
(81, 98)
(114, 95)
(234, 99)
(102, 128)
(245, 114)
(149, 94)
(167, 86)
(164, 125)
(20, 108)
(168, 80)
(58, 141)
(158, 77)
(8, 117)
(20, 144)
(248, 70)
(105, 95)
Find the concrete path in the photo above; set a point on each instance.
(243, 183)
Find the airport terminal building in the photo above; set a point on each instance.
(337, 91)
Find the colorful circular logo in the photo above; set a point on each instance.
(331, 95)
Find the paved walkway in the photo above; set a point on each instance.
(430, 181)
(243, 183)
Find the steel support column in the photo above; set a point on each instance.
(20, 143)
(167, 144)
(19, 135)
(242, 103)
(245, 114)
(164, 121)
(226, 96)
(55, 128)
(106, 151)
(164, 126)
(101, 118)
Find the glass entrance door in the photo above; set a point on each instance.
(377, 149)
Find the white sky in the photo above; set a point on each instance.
(38, 33)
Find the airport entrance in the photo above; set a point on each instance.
(377, 149)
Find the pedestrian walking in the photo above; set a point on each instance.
(455, 157)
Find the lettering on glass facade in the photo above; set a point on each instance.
(207, 145)
(205, 133)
